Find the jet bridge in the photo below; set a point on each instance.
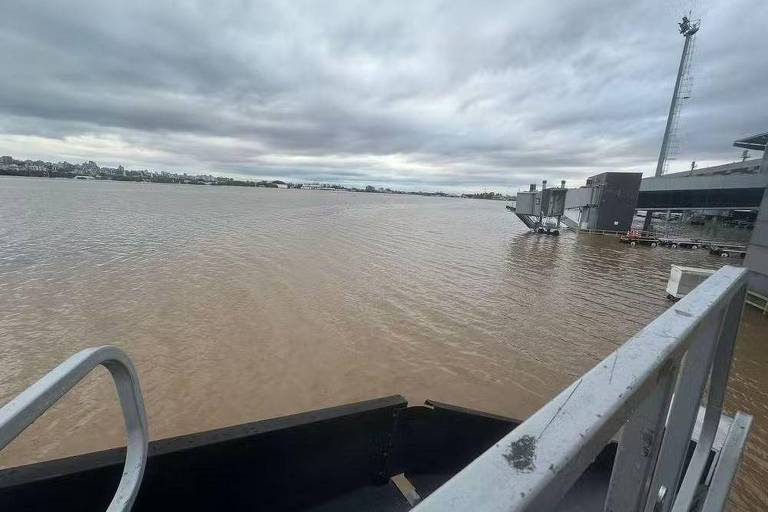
(541, 211)
(607, 202)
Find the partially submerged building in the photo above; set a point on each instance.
(757, 253)
(607, 202)
(720, 190)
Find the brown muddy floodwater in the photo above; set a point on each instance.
(239, 304)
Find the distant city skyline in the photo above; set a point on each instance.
(11, 166)
(36, 168)
(453, 96)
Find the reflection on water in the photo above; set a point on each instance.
(239, 304)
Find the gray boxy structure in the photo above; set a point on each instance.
(541, 211)
(528, 203)
(608, 200)
(757, 253)
(553, 202)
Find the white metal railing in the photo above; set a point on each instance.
(757, 300)
(22, 411)
(610, 232)
(651, 388)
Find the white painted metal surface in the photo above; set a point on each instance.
(22, 411)
(718, 382)
(757, 300)
(728, 463)
(684, 279)
(581, 197)
(651, 387)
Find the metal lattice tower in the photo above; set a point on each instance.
(683, 95)
(670, 144)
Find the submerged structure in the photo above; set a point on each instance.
(631, 434)
(683, 280)
(607, 202)
(718, 191)
(757, 254)
(542, 210)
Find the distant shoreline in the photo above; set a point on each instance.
(238, 183)
(90, 170)
(138, 179)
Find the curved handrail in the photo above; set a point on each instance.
(22, 411)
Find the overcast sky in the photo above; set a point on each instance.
(418, 94)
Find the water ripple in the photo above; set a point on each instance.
(240, 304)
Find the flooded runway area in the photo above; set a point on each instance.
(239, 304)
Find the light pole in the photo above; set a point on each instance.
(688, 29)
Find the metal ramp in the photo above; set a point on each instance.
(569, 222)
(530, 221)
(537, 223)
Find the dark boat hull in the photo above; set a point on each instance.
(339, 458)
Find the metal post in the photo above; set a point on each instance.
(727, 463)
(764, 161)
(647, 221)
(639, 448)
(682, 415)
(717, 387)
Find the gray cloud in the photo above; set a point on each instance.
(462, 95)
